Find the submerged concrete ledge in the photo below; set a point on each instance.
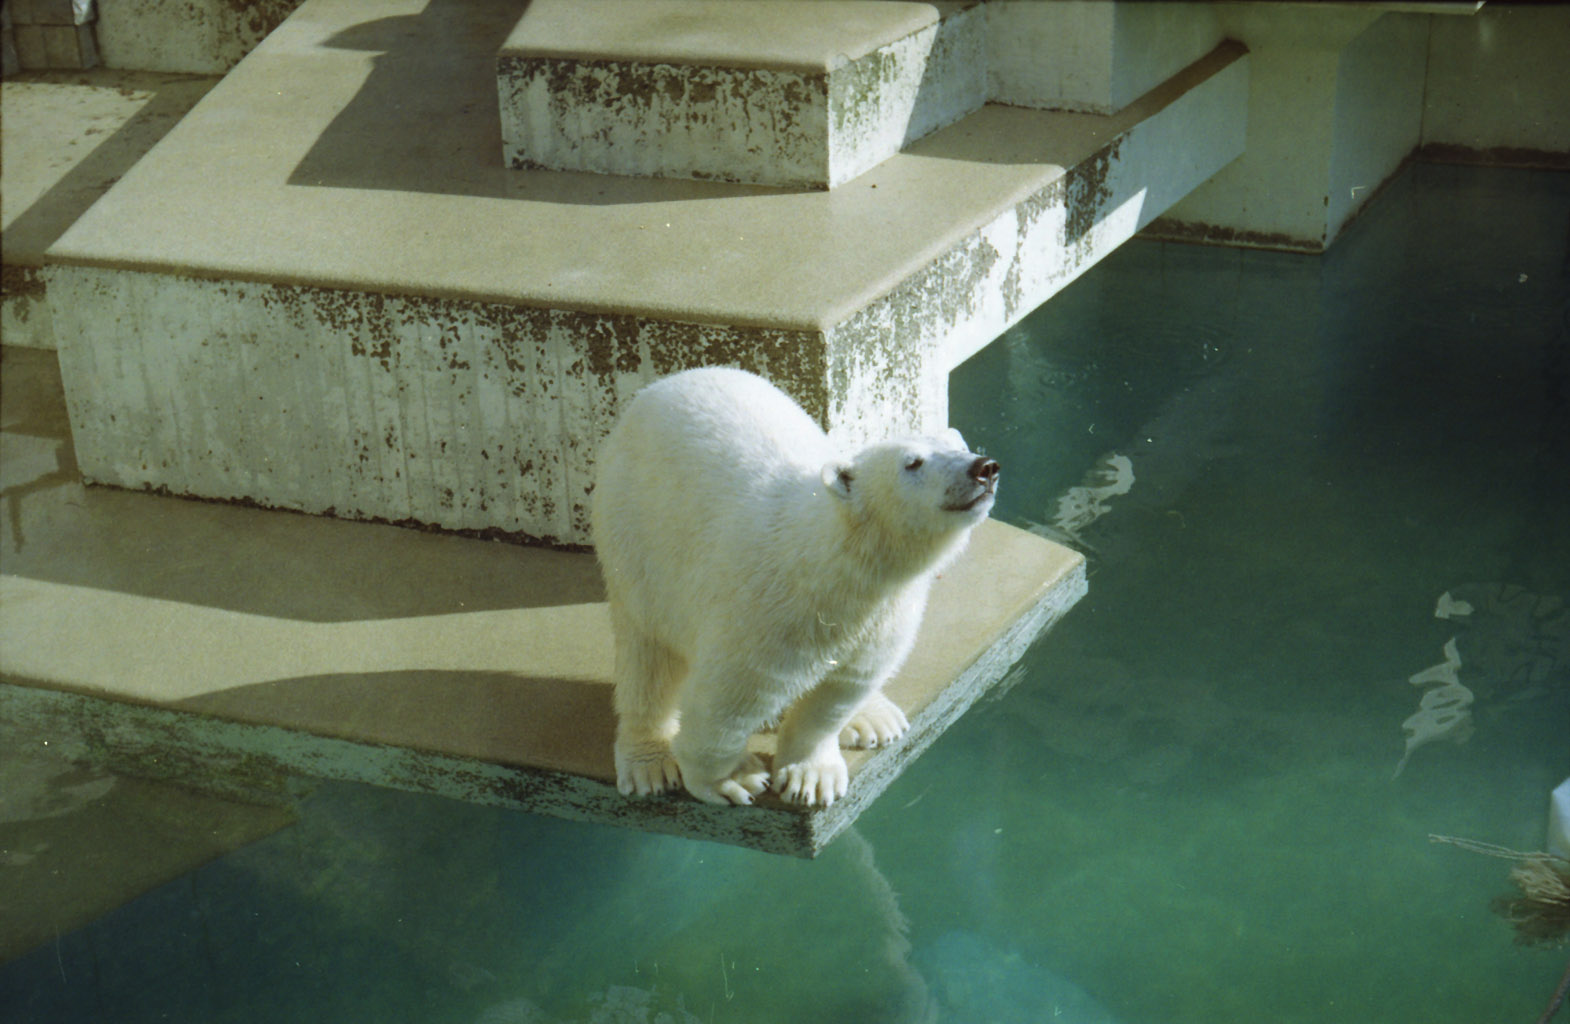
(331, 244)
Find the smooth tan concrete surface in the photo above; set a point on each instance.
(231, 647)
(69, 136)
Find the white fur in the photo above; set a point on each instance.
(753, 574)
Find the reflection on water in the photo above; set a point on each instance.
(1314, 492)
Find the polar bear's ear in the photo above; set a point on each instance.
(837, 477)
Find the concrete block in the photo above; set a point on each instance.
(206, 37)
(1334, 108)
(69, 46)
(1089, 55)
(32, 47)
(461, 414)
(766, 93)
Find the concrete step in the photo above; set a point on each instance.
(235, 649)
(324, 291)
(769, 92)
(69, 136)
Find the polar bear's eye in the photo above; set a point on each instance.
(915, 463)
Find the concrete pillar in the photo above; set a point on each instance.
(1498, 88)
(1335, 107)
(1089, 55)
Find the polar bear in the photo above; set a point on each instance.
(754, 576)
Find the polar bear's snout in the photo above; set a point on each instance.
(985, 472)
(982, 476)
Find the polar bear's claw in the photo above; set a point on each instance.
(877, 723)
(647, 773)
(815, 783)
(748, 780)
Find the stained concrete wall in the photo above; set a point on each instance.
(1090, 55)
(737, 108)
(1377, 118)
(465, 415)
(202, 36)
(1334, 108)
(1499, 87)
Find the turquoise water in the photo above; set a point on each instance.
(1184, 808)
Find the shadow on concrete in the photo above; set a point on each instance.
(219, 556)
(28, 235)
(427, 120)
(495, 717)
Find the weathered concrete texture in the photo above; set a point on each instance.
(459, 414)
(1089, 55)
(68, 137)
(763, 95)
(200, 36)
(949, 308)
(310, 244)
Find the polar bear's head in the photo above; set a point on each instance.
(916, 493)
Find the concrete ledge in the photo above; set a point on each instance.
(766, 93)
(503, 708)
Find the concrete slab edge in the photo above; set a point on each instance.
(973, 684)
(263, 763)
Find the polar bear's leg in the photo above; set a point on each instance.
(808, 766)
(722, 704)
(876, 723)
(648, 675)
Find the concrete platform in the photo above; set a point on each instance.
(324, 291)
(233, 648)
(761, 93)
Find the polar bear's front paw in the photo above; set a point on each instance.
(816, 782)
(877, 723)
(646, 769)
(748, 780)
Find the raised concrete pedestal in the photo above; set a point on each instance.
(324, 291)
(764, 93)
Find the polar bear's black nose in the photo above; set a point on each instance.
(984, 472)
